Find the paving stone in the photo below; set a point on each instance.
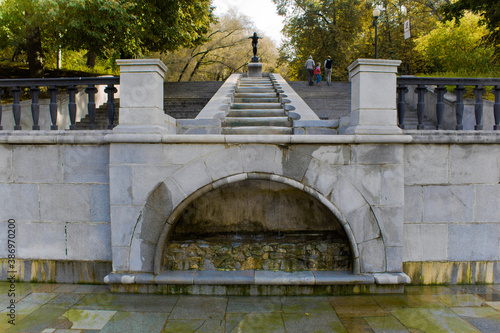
(386, 324)
(486, 324)
(302, 305)
(242, 304)
(476, 312)
(315, 322)
(199, 307)
(89, 319)
(183, 325)
(38, 320)
(356, 306)
(136, 322)
(354, 324)
(460, 300)
(254, 322)
(127, 302)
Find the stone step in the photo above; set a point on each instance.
(258, 130)
(256, 100)
(255, 90)
(255, 106)
(255, 95)
(256, 113)
(256, 121)
(259, 85)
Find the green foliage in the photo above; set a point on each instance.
(489, 10)
(457, 48)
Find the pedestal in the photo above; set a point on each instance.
(373, 97)
(254, 69)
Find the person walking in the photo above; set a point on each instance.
(328, 70)
(317, 73)
(310, 70)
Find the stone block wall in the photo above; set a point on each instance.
(58, 195)
(452, 212)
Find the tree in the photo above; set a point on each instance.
(465, 51)
(489, 10)
(103, 27)
(226, 51)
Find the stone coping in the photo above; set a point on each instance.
(107, 136)
(251, 277)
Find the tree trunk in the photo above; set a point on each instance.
(34, 50)
(91, 57)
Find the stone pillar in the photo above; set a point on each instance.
(373, 97)
(254, 69)
(141, 97)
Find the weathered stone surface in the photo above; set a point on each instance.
(336, 155)
(363, 224)
(86, 164)
(142, 255)
(322, 177)
(413, 205)
(150, 225)
(467, 242)
(147, 177)
(394, 258)
(372, 256)
(486, 203)
(192, 177)
(166, 197)
(452, 203)
(136, 154)
(224, 163)
(367, 179)
(277, 278)
(19, 202)
(340, 277)
(224, 278)
(120, 185)
(471, 164)
(37, 164)
(185, 153)
(425, 242)
(346, 197)
(261, 158)
(124, 220)
(390, 219)
(99, 203)
(392, 185)
(41, 240)
(88, 241)
(121, 258)
(65, 202)
(426, 164)
(5, 163)
(391, 278)
(376, 154)
(294, 164)
(176, 277)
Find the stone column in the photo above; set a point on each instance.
(373, 97)
(141, 97)
(254, 69)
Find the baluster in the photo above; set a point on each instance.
(440, 91)
(402, 90)
(496, 108)
(91, 90)
(1, 93)
(478, 109)
(111, 90)
(421, 90)
(459, 91)
(71, 90)
(16, 107)
(35, 107)
(53, 91)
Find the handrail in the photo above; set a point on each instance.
(439, 84)
(17, 86)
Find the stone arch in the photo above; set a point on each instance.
(315, 177)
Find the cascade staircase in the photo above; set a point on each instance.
(101, 117)
(257, 108)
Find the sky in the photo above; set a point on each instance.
(261, 12)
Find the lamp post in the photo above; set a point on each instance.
(376, 14)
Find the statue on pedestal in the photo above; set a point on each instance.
(255, 44)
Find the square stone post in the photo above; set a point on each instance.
(141, 97)
(373, 97)
(254, 69)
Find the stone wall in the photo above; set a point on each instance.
(58, 195)
(452, 207)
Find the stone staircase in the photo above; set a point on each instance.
(411, 120)
(257, 108)
(101, 118)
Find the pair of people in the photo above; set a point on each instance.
(314, 70)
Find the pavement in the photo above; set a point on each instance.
(92, 308)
